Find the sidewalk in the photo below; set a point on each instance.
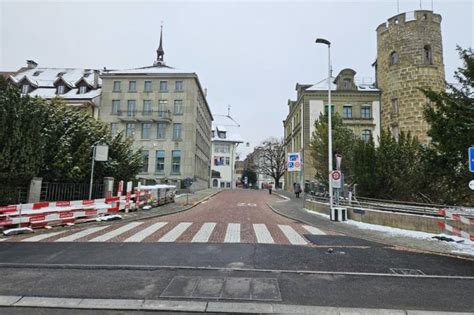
(293, 208)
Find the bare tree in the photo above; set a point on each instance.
(270, 159)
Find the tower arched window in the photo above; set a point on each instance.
(394, 59)
(427, 56)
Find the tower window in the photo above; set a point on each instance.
(427, 60)
(394, 107)
(394, 58)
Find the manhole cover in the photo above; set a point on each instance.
(232, 288)
(336, 240)
(406, 271)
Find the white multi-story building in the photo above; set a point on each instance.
(225, 139)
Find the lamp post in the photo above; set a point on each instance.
(330, 168)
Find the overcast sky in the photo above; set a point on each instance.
(247, 54)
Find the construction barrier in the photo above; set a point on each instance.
(455, 230)
(45, 214)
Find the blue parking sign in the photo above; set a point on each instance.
(293, 157)
(471, 159)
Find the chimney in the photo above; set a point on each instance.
(31, 64)
(205, 92)
(96, 78)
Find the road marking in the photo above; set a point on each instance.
(202, 236)
(116, 232)
(232, 235)
(81, 234)
(176, 232)
(140, 236)
(292, 235)
(40, 237)
(263, 234)
(313, 230)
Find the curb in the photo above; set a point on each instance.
(189, 306)
(426, 251)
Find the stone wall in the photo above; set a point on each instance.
(407, 34)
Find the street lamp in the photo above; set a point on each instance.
(328, 43)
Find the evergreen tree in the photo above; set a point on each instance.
(342, 143)
(450, 115)
(364, 168)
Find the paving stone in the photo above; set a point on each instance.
(235, 307)
(265, 289)
(181, 287)
(187, 306)
(209, 288)
(237, 288)
(7, 300)
(33, 301)
(112, 304)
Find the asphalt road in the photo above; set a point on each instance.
(326, 270)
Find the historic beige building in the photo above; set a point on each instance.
(164, 110)
(409, 57)
(357, 103)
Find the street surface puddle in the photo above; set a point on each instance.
(230, 288)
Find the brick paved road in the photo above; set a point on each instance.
(240, 216)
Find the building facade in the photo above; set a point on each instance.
(409, 58)
(165, 111)
(225, 139)
(79, 88)
(357, 104)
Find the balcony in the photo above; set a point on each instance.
(145, 116)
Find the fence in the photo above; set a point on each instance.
(70, 191)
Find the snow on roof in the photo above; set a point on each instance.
(49, 93)
(45, 77)
(227, 124)
(149, 70)
(323, 86)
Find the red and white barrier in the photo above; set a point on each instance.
(455, 230)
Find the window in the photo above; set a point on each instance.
(117, 86)
(395, 107)
(147, 107)
(113, 128)
(346, 83)
(427, 55)
(131, 108)
(160, 161)
(115, 107)
(83, 89)
(146, 130)
(145, 159)
(132, 86)
(175, 161)
(215, 183)
(147, 86)
(394, 58)
(178, 107)
(347, 111)
(177, 131)
(365, 112)
(61, 89)
(179, 86)
(222, 185)
(326, 109)
(163, 86)
(130, 130)
(162, 105)
(25, 88)
(227, 160)
(161, 131)
(227, 185)
(366, 134)
(37, 73)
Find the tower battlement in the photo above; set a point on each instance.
(401, 19)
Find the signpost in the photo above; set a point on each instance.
(336, 179)
(100, 153)
(471, 159)
(294, 162)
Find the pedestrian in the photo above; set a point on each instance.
(270, 188)
(297, 190)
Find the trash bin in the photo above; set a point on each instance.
(338, 214)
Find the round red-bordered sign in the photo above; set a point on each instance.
(336, 175)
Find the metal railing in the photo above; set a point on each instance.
(70, 191)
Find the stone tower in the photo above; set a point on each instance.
(409, 57)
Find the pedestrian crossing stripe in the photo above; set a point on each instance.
(232, 233)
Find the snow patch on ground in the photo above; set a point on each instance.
(465, 246)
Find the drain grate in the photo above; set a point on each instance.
(405, 271)
(231, 288)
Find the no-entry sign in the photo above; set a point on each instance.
(336, 179)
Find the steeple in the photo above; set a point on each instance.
(160, 52)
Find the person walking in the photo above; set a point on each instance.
(297, 190)
(270, 188)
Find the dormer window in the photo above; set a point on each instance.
(37, 73)
(61, 89)
(83, 89)
(346, 83)
(221, 134)
(25, 88)
(60, 74)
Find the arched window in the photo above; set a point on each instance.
(394, 58)
(427, 60)
(214, 183)
(366, 134)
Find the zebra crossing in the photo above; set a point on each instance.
(162, 232)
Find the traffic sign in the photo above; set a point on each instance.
(471, 184)
(294, 162)
(336, 179)
(471, 159)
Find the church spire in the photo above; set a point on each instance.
(160, 52)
